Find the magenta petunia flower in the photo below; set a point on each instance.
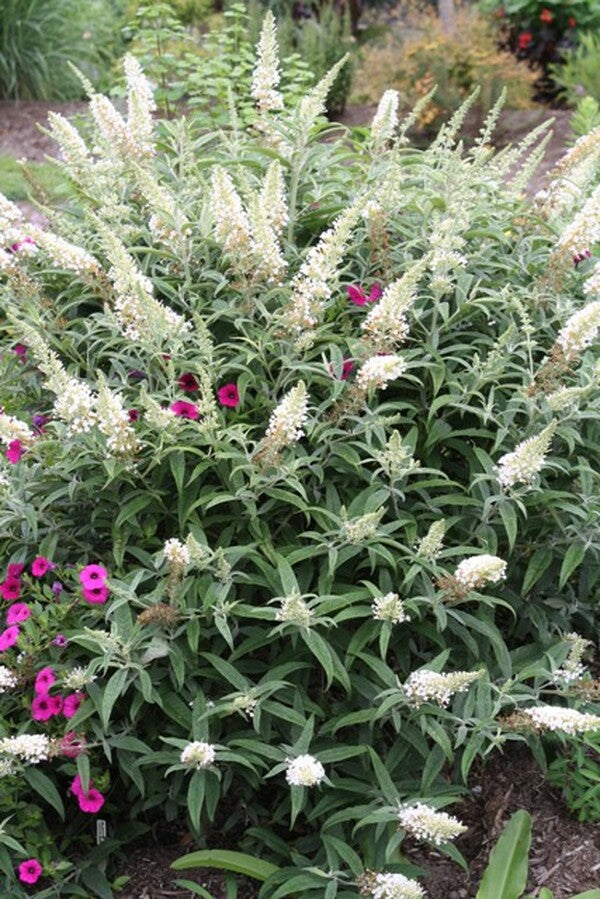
(72, 744)
(15, 451)
(359, 297)
(96, 595)
(57, 704)
(42, 707)
(21, 350)
(229, 395)
(71, 703)
(9, 637)
(92, 802)
(188, 382)
(18, 612)
(15, 569)
(185, 410)
(93, 575)
(10, 588)
(40, 566)
(133, 415)
(44, 680)
(30, 871)
(76, 787)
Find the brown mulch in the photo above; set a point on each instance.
(564, 856)
(565, 853)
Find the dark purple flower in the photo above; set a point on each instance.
(57, 588)
(137, 375)
(40, 421)
(60, 640)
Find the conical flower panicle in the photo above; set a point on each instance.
(267, 75)
(527, 460)
(385, 120)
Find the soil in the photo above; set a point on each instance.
(20, 135)
(564, 857)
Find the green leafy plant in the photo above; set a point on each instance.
(299, 488)
(576, 772)
(38, 38)
(506, 874)
(579, 72)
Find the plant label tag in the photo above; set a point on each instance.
(100, 831)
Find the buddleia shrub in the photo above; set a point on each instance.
(299, 486)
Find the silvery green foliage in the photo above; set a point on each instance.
(285, 531)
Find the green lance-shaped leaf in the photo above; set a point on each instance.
(506, 874)
(226, 860)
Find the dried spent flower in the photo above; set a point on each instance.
(425, 823)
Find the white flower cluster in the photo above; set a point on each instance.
(522, 465)
(113, 421)
(446, 239)
(476, 571)
(592, 286)
(272, 197)
(389, 608)
(385, 120)
(294, 610)
(11, 218)
(65, 255)
(570, 721)
(313, 104)
(8, 679)
(431, 686)
(311, 286)
(425, 823)
(12, 428)
(580, 330)
(584, 230)
(379, 371)
(304, 771)
(266, 75)
(386, 323)
(74, 404)
(232, 225)
(363, 527)
(572, 175)
(177, 555)
(572, 668)
(140, 106)
(138, 313)
(30, 748)
(286, 424)
(396, 886)
(198, 755)
(78, 677)
(270, 264)
(430, 545)
(245, 704)
(72, 146)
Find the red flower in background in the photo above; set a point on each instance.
(546, 16)
(188, 382)
(525, 40)
(572, 22)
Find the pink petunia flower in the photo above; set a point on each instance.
(10, 588)
(30, 871)
(72, 744)
(15, 569)
(71, 703)
(185, 410)
(188, 382)
(40, 566)
(9, 637)
(21, 350)
(44, 680)
(17, 613)
(76, 787)
(43, 707)
(229, 395)
(57, 704)
(92, 802)
(15, 451)
(60, 640)
(96, 595)
(359, 297)
(93, 575)
(347, 367)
